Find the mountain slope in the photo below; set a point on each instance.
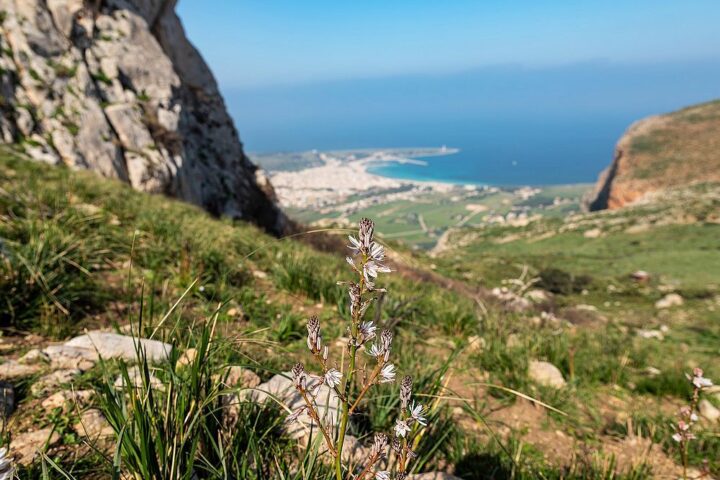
(659, 152)
(114, 86)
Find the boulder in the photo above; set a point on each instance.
(34, 357)
(135, 376)
(545, 374)
(11, 370)
(114, 345)
(117, 88)
(26, 445)
(93, 425)
(237, 376)
(52, 381)
(63, 356)
(68, 399)
(668, 301)
(708, 411)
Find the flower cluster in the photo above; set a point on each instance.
(688, 415)
(6, 468)
(351, 381)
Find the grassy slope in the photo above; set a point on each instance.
(80, 233)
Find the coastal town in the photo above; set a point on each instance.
(332, 188)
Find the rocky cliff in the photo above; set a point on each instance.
(114, 86)
(659, 152)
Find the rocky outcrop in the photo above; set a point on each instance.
(114, 86)
(661, 152)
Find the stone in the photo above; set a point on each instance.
(114, 345)
(7, 399)
(475, 344)
(68, 399)
(592, 233)
(640, 276)
(11, 370)
(63, 356)
(513, 341)
(136, 379)
(545, 374)
(26, 445)
(510, 300)
(241, 377)
(668, 301)
(649, 334)
(583, 315)
(52, 381)
(34, 357)
(281, 387)
(537, 295)
(121, 91)
(93, 425)
(187, 357)
(708, 411)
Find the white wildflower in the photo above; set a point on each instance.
(6, 468)
(417, 412)
(374, 351)
(333, 377)
(401, 428)
(366, 332)
(387, 373)
(355, 245)
(699, 381)
(377, 252)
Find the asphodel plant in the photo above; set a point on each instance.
(364, 365)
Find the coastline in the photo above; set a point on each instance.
(341, 176)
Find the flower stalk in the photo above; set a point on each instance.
(366, 262)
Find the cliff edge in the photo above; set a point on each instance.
(659, 152)
(115, 86)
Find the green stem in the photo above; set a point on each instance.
(349, 377)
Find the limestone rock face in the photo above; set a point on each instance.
(661, 152)
(115, 86)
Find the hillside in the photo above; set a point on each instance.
(76, 91)
(660, 152)
(85, 254)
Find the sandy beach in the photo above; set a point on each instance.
(338, 179)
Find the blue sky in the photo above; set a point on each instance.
(251, 43)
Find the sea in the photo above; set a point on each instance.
(513, 125)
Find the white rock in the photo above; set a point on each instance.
(136, 379)
(282, 388)
(93, 425)
(546, 374)
(648, 334)
(114, 345)
(63, 356)
(11, 370)
(68, 398)
(187, 357)
(708, 410)
(33, 357)
(237, 376)
(26, 445)
(669, 300)
(538, 295)
(592, 233)
(476, 344)
(53, 380)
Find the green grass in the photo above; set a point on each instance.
(68, 239)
